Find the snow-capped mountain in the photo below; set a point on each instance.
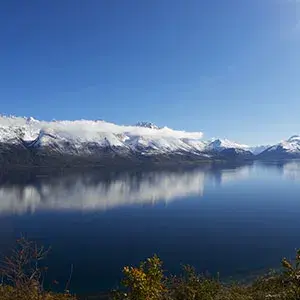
(41, 133)
(83, 137)
(38, 142)
(99, 140)
(221, 144)
(228, 149)
(258, 149)
(147, 125)
(289, 148)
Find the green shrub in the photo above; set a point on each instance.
(145, 282)
(291, 278)
(148, 282)
(190, 286)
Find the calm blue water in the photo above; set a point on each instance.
(233, 220)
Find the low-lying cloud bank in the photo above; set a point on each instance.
(90, 129)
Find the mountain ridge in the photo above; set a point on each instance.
(99, 140)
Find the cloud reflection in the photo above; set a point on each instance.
(86, 192)
(98, 191)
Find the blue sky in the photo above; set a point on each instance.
(229, 68)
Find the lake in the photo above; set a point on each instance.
(238, 220)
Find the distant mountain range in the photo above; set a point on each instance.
(29, 142)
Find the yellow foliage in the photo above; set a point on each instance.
(145, 282)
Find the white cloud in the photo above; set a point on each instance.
(89, 130)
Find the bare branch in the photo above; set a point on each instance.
(69, 280)
(22, 268)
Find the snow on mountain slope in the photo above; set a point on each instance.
(76, 134)
(197, 145)
(291, 145)
(221, 144)
(83, 137)
(286, 148)
(89, 129)
(158, 144)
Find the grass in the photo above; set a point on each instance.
(23, 276)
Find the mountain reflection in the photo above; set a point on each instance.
(103, 191)
(286, 169)
(291, 170)
(91, 192)
(225, 176)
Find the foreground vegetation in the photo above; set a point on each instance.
(148, 282)
(23, 276)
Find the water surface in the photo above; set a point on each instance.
(236, 220)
